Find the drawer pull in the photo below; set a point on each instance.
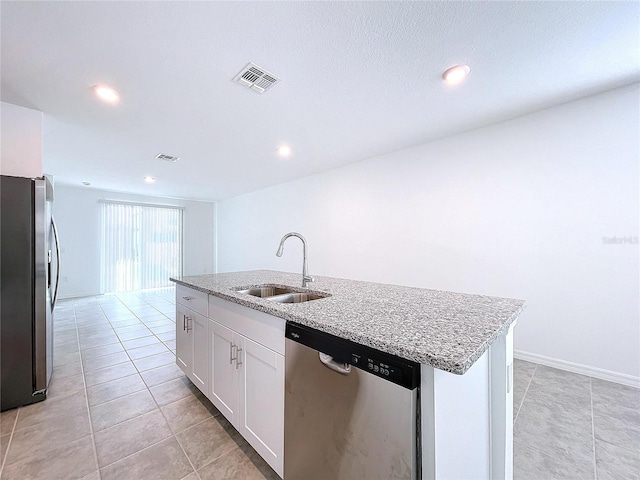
(188, 299)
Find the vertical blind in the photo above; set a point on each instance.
(141, 246)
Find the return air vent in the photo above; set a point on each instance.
(167, 158)
(256, 78)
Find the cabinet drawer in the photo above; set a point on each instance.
(258, 326)
(193, 299)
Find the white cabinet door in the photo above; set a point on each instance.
(224, 377)
(261, 376)
(184, 347)
(198, 326)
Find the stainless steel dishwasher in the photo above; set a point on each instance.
(351, 412)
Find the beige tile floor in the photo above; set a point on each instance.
(119, 408)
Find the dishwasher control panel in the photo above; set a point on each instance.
(380, 368)
(381, 364)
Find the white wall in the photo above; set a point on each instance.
(77, 214)
(517, 209)
(20, 141)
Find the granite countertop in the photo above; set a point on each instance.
(446, 330)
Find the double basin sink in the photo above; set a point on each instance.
(280, 294)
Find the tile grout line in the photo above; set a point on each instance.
(131, 394)
(525, 394)
(86, 395)
(164, 439)
(86, 390)
(184, 452)
(126, 351)
(137, 373)
(13, 429)
(138, 416)
(130, 375)
(175, 436)
(195, 425)
(120, 343)
(182, 448)
(153, 334)
(121, 396)
(145, 413)
(593, 431)
(192, 426)
(219, 456)
(137, 452)
(148, 389)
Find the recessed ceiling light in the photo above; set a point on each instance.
(284, 150)
(106, 93)
(456, 74)
(86, 184)
(149, 179)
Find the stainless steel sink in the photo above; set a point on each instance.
(265, 291)
(294, 297)
(281, 294)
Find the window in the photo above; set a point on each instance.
(141, 246)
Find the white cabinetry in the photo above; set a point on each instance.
(192, 336)
(262, 402)
(184, 344)
(247, 375)
(235, 356)
(200, 367)
(224, 375)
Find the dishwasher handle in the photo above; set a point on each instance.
(329, 362)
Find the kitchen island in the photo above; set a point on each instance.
(462, 341)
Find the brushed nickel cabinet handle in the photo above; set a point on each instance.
(231, 357)
(238, 357)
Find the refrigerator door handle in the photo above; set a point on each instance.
(55, 237)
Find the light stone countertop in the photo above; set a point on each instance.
(446, 330)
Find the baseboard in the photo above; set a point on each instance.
(608, 375)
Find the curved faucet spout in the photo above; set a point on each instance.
(306, 278)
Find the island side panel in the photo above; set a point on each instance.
(501, 384)
(456, 439)
(466, 420)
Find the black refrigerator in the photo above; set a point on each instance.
(29, 268)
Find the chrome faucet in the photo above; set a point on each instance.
(306, 278)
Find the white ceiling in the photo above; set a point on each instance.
(358, 79)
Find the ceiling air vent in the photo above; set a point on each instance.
(167, 158)
(256, 78)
